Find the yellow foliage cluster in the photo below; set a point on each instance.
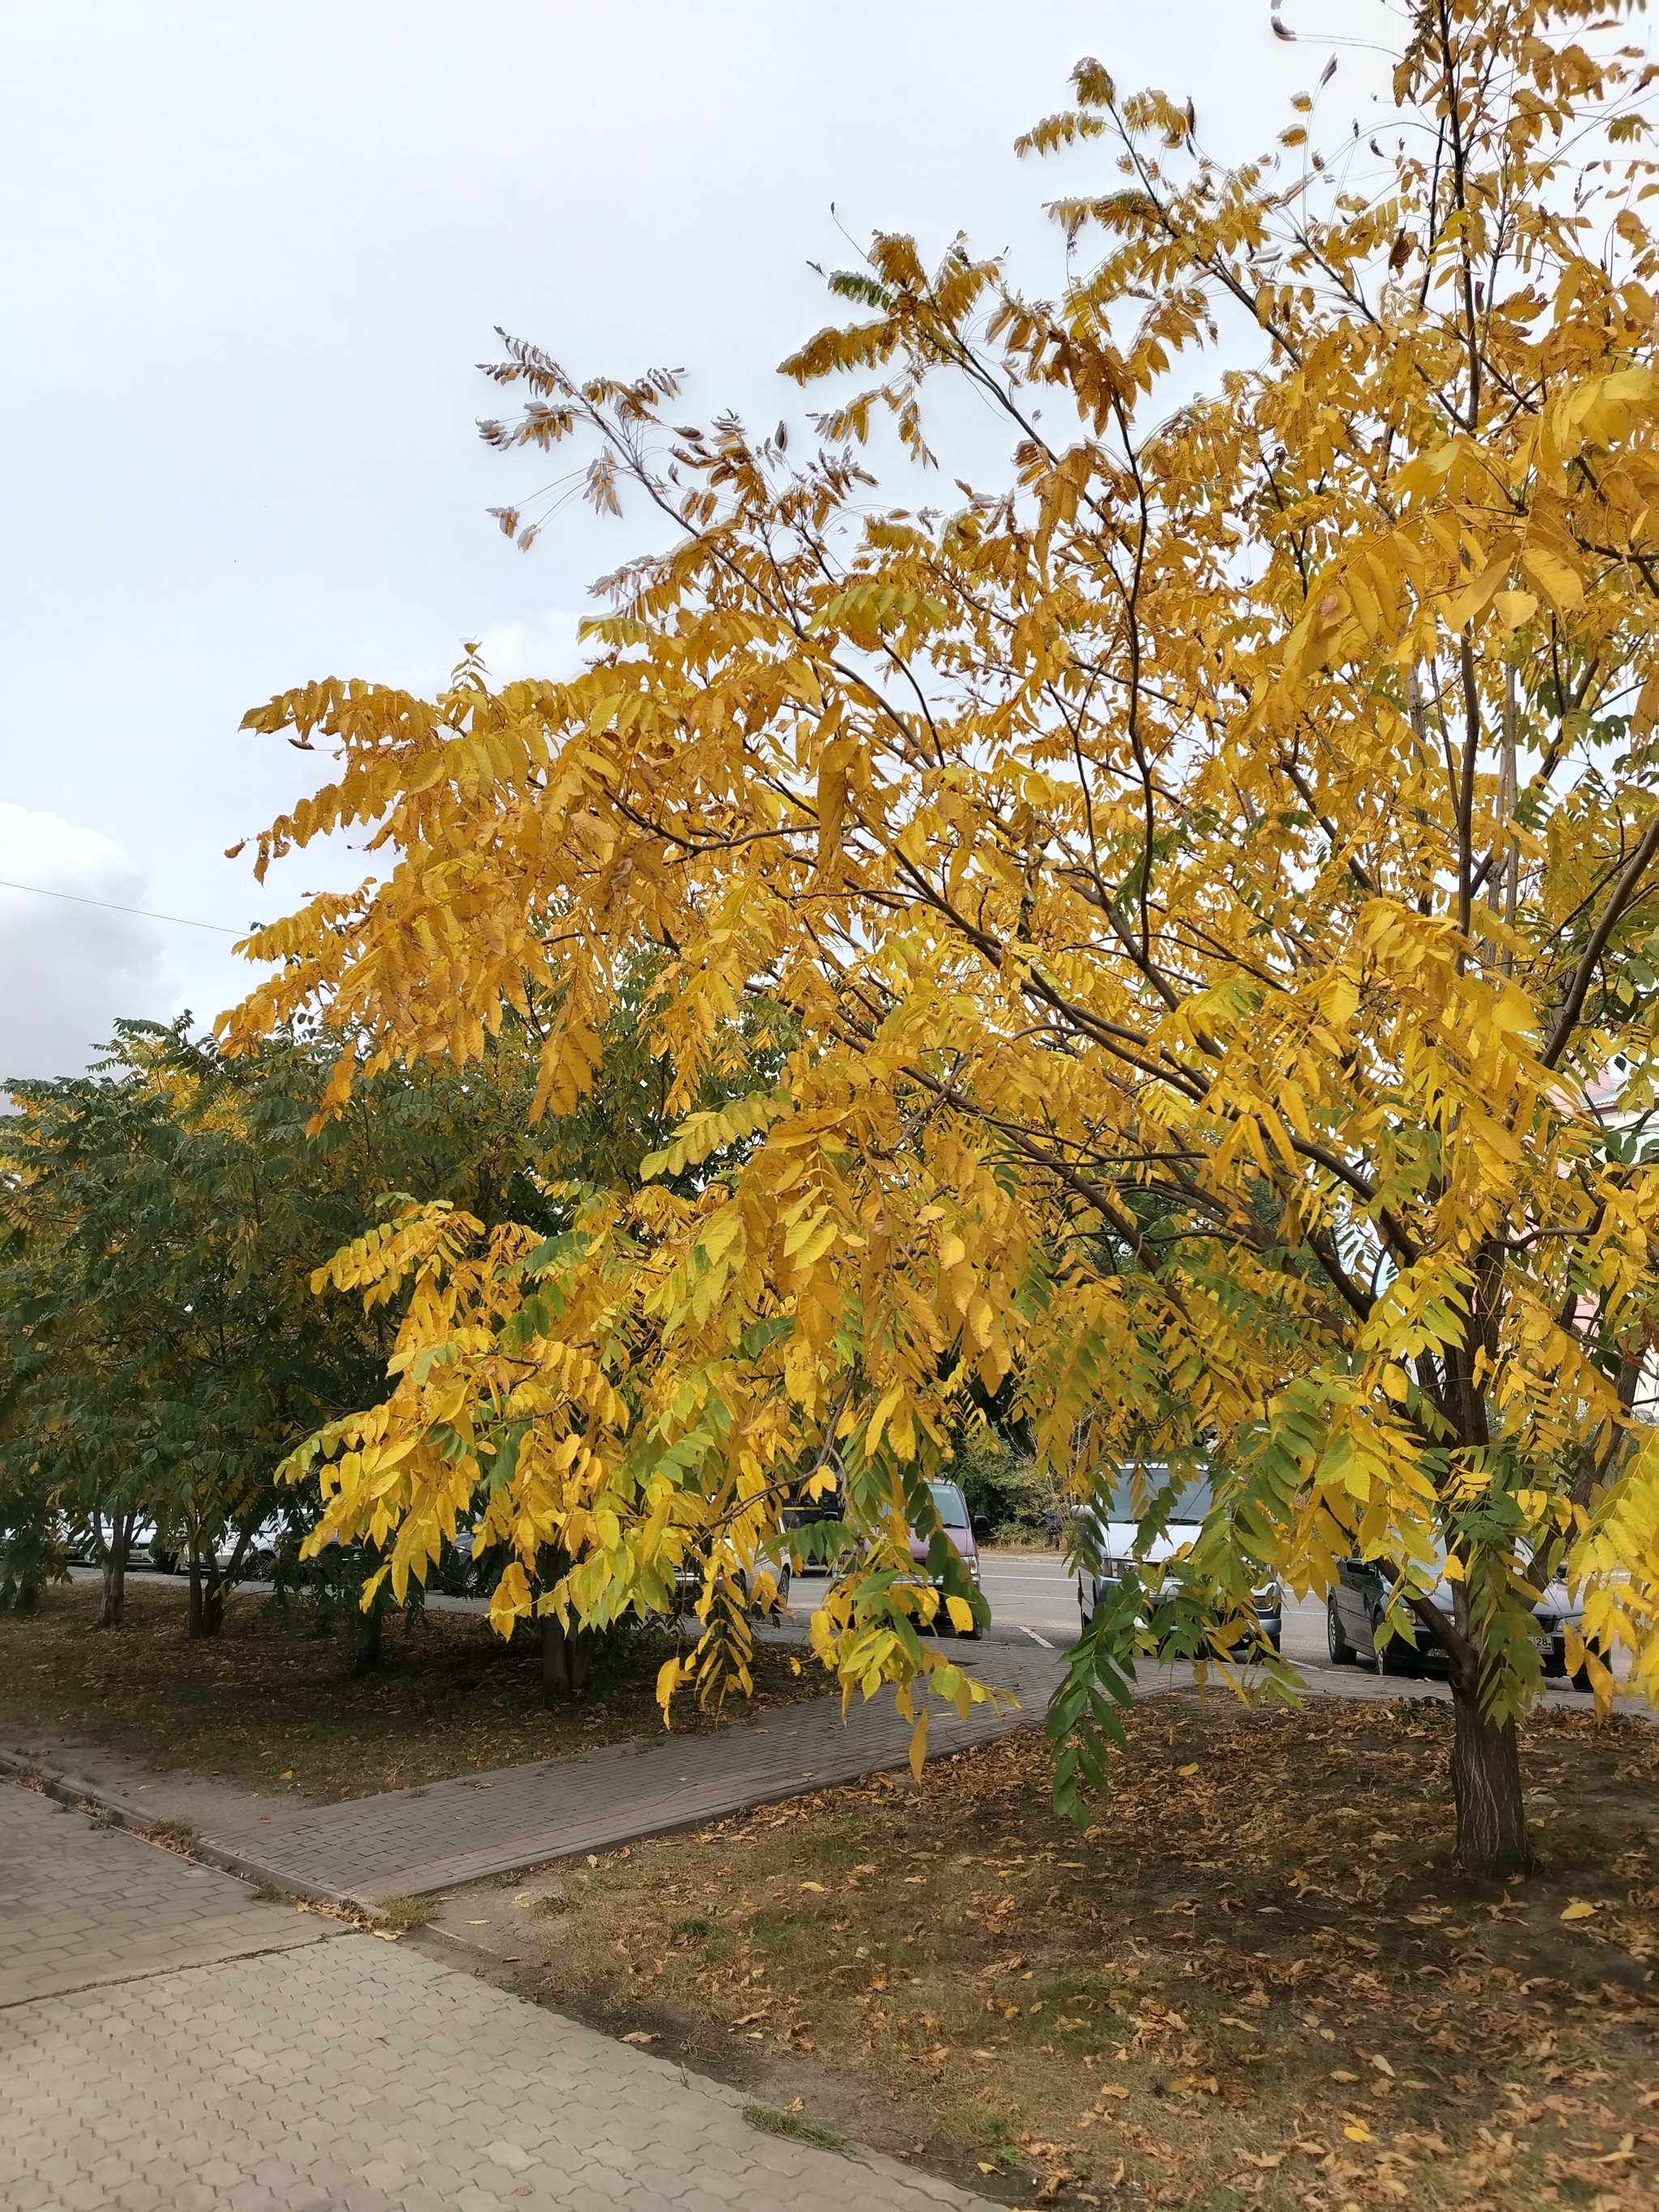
(1212, 881)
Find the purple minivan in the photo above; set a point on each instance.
(960, 1526)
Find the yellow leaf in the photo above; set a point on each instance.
(1578, 1910)
(1562, 586)
(919, 1744)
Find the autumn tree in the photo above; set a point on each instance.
(1212, 876)
(161, 1347)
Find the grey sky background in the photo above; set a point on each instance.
(250, 254)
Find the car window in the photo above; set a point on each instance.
(949, 1505)
(1192, 1502)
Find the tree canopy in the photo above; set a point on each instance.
(1210, 876)
(162, 1218)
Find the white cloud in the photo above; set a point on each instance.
(545, 646)
(69, 970)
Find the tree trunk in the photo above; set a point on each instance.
(207, 1593)
(115, 1570)
(1491, 1818)
(217, 1589)
(566, 1659)
(370, 1645)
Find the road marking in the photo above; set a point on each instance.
(1034, 1637)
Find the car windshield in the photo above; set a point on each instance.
(949, 1505)
(1192, 1500)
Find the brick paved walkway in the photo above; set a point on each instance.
(302, 2069)
(81, 1905)
(406, 1843)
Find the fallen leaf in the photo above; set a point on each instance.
(1578, 1910)
(640, 2035)
(1107, 2088)
(385, 1935)
(287, 1774)
(1342, 2074)
(593, 1858)
(1268, 2161)
(817, 1886)
(1193, 1769)
(985, 2167)
(1356, 2131)
(1381, 2064)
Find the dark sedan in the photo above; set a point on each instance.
(1356, 1608)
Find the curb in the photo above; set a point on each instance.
(69, 1790)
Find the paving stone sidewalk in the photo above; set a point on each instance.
(407, 1843)
(81, 1904)
(332, 2072)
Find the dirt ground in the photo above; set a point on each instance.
(1258, 1981)
(266, 1701)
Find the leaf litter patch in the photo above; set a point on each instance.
(1258, 1980)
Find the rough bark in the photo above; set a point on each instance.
(211, 1584)
(370, 1644)
(115, 1570)
(207, 1595)
(1492, 1818)
(370, 1627)
(566, 1659)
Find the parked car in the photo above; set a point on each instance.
(1356, 1607)
(965, 1534)
(1107, 1540)
(688, 1582)
(454, 1575)
(824, 1512)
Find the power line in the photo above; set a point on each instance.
(110, 907)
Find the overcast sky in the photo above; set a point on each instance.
(250, 255)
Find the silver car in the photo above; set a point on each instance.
(1107, 1540)
(1356, 1608)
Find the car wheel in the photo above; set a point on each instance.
(1391, 1658)
(1336, 1642)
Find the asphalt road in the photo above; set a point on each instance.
(1034, 1598)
